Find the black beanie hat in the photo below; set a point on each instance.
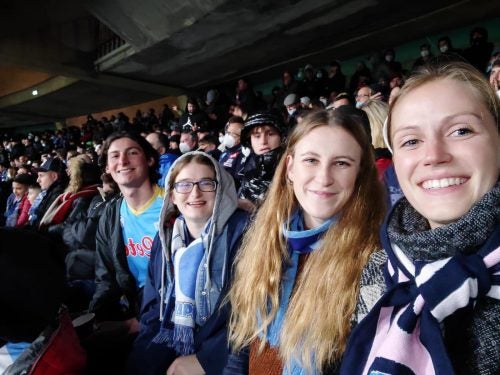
(260, 119)
(31, 283)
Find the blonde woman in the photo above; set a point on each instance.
(297, 276)
(74, 202)
(441, 314)
(377, 111)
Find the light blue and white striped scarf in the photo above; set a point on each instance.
(187, 258)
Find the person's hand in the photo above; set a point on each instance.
(246, 205)
(376, 96)
(133, 325)
(495, 80)
(187, 365)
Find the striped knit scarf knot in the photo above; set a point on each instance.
(408, 316)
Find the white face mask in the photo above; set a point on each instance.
(221, 138)
(424, 53)
(443, 49)
(389, 58)
(229, 141)
(183, 147)
(291, 111)
(359, 104)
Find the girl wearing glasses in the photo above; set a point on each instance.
(183, 327)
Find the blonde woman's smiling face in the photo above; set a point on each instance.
(446, 149)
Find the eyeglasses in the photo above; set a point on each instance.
(359, 96)
(185, 187)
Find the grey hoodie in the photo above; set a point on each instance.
(226, 203)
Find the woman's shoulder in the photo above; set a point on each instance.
(371, 284)
(238, 218)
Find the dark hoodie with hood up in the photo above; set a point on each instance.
(210, 338)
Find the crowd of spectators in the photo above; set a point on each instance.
(61, 184)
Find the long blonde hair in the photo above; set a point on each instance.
(376, 111)
(317, 322)
(75, 173)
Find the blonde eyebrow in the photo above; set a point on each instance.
(444, 119)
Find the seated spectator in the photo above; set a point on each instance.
(292, 105)
(209, 145)
(74, 202)
(390, 64)
(361, 77)
(264, 133)
(160, 143)
(436, 281)
(336, 80)
(363, 95)
(216, 111)
(341, 99)
(231, 157)
(190, 270)
(123, 247)
(377, 111)
(18, 205)
(188, 141)
(447, 50)
(480, 50)
(193, 115)
(294, 289)
(34, 197)
(79, 238)
(425, 56)
(36, 333)
(52, 179)
(173, 144)
(495, 76)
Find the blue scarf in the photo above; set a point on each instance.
(300, 241)
(187, 258)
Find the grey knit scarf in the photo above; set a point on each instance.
(473, 341)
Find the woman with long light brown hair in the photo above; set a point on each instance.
(297, 277)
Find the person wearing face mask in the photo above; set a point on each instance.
(189, 142)
(292, 105)
(446, 49)
(209, 145)
(233, 154)
(425, 56)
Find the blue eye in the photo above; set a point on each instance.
(411, 142)
(462, 132)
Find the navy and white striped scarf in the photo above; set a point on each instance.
(402, 333)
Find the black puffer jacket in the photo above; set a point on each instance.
(79, 237)
(257, 173)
